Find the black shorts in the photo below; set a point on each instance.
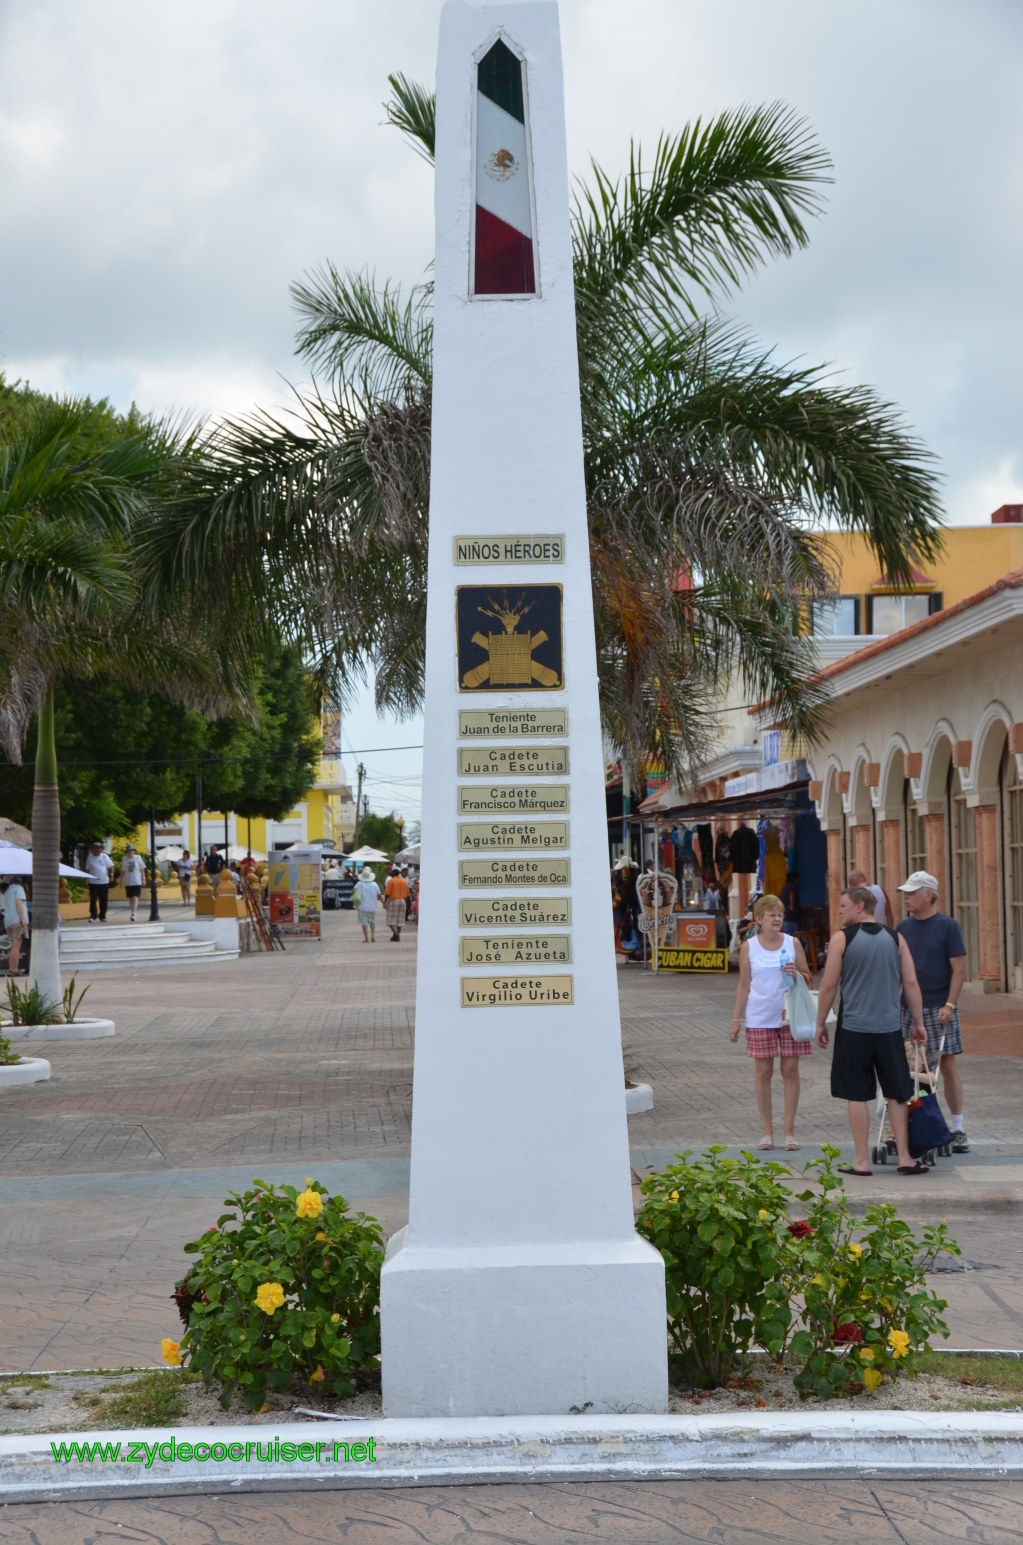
(860, 1061)
(133, 890)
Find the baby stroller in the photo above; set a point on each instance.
(885, 1147)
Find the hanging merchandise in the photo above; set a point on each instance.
(762, 827)
(775, 863)
(705, 842)
(683, 840)
(723, 857)
(745, 850)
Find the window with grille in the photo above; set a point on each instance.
(1013, 807)
(915, 832)
(964, 907)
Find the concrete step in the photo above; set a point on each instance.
(130, 947)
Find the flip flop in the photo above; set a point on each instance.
(913, 1169)
(766, 1142)
(850, 1169)
(791, 1145)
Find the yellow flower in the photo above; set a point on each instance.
(863, 1297)
(673, 1197)
(898, 1340)
(308, 1180)
(315, 1378)
(866, 1354)
(817, 1280)
(269, 1296)
(763, 1214)
(309, 1204)
(170, 1352)
(871, 1377)
(855, 1250)
(321, 1235)
(335, 1319)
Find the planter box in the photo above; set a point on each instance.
(72, 909)
(639, 1098)
(30, 1070)
(77, 1030)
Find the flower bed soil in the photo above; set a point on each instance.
(73, 1402)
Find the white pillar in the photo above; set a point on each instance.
(520, 1285)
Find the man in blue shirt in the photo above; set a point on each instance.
(939, 955)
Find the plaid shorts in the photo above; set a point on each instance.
(935, 1030)
(775, 1043)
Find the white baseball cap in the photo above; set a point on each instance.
(919, 880)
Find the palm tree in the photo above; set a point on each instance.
(710, 467)
(70, 494)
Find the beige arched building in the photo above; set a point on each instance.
(922, 768)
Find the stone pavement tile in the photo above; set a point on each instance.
(611, 1513)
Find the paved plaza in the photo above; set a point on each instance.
(287, 1065)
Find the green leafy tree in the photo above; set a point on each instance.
(71, 492)
(710, 466)
(380, 831)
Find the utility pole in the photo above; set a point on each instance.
(154, 906)
(358, 805)
(198, 817)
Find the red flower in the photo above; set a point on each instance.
(800, 1229)
(850, 1331)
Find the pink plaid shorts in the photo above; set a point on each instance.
(775, 1043)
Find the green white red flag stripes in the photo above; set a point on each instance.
(503, 259)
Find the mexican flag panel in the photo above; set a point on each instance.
(503, 260)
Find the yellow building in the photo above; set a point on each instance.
(972, 557)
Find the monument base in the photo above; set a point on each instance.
(533, 1330)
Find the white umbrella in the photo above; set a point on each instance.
(408, 855)
(367, 856)
(15, 860)
(236, 853)
(172, 853)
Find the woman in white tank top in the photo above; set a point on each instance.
(767, 965)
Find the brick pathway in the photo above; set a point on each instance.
(287, 1065)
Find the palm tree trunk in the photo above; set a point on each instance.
(45, 973)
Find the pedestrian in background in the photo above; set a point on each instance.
(185, 878)
(874, 969)
(100, 869)
(936, 944)
(882, 910)
(396, 897)
(767, 966)
(366, 896)
(133, 877)
(15, 915)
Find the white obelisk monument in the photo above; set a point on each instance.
(520, 1285)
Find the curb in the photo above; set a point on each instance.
(472, 1451)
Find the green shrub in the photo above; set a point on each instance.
(866, 1310)
(717, 1223)
(8, 1056)
(285, 1289)
(846, 1302)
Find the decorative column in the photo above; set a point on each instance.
(891, 837)
(988, 893)
(934, 832)
(861, 847)
(834, 875)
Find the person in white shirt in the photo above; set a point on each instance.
(133, 876)
(857, 877)
(15, 915)
(100, 870)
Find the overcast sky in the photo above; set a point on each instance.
(166, 170)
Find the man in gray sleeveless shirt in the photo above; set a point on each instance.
(874, 968)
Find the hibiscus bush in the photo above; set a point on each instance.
(285, 1289)
(845, 1301)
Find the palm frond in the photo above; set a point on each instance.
(362, 335)
(413, 110)
(716, 202)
